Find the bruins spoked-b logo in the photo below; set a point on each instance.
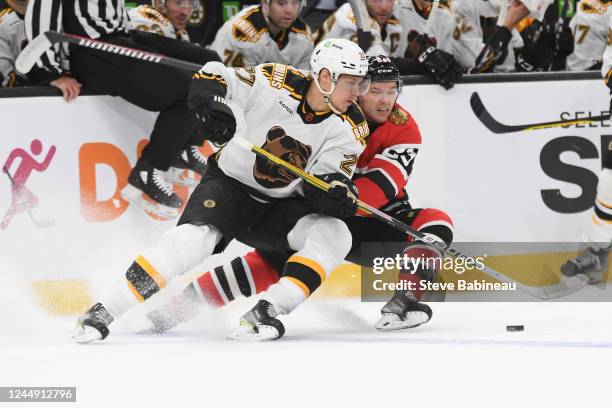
(209, 203)
(280, 144)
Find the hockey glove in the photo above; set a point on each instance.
(441, 65)
(564, 40)
(219, 123)
(339, 201)
(538, 52)
(494, 52)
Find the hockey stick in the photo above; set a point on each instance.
(496, 127)
(563, 288)
(364, 31)
(39, 45)
(38, 224)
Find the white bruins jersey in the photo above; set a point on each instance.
(591, 35)
(342, 24)
(12, 41)
(148, 18)
(277, 118)
(451, 34)
(246, 41)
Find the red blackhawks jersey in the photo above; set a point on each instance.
(385, 165)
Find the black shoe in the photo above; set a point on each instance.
(261, 323)
(93, 325)
(593, 262)
(188, 167)
(148, 187)
(403, 311)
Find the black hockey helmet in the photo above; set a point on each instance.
(382, 69)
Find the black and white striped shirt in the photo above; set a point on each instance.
(88, 18)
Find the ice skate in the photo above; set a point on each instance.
(592, 263)
(93, 325)
(188, 167)
(403, 311)
(148, 188)
(260, 323)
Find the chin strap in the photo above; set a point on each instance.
(327, 95)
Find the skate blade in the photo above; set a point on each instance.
(182, 177)
(135, 196)
(85, 335)
(248, 333)
(391, 321)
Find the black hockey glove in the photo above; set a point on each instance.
(538, 52)
(441, 65)
(494, 52)
(339, 201)
(364, 39)
(218, 121)
(564, 39)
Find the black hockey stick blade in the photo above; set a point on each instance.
(39, 45)
(494, 126)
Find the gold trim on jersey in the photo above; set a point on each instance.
(151, 13)
(250, 25)
(249, 79)
(5, 11)
(354, 115)
(593, 6)
(291, 80)
(218, 78)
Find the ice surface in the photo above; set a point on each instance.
(331, 356)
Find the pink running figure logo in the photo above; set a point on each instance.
(23, 199)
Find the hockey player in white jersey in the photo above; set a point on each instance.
(593, 262)
(386, 29)
(270, 32)
(12, 40)
(310, 120)
(389, 23)
(167, 18)
(591, 35)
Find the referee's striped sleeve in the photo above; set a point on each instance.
(42, 16)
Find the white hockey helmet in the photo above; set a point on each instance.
(339, 56)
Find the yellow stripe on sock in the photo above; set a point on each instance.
(299, 284)
(151, 271)
(315, 266)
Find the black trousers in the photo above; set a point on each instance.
(150, 86)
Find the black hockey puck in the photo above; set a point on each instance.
(515, 328)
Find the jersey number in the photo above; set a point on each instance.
(584, 30)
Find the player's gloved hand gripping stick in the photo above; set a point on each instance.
(563, 288)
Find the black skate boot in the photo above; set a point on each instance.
(403, 311)
(188, 167)
(148, 188)
(93, 325)
(592, 263)
(261, 323)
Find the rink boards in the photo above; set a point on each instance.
(534, 186)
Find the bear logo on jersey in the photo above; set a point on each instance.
(281, 145)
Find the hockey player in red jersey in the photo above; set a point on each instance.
(382, 173)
